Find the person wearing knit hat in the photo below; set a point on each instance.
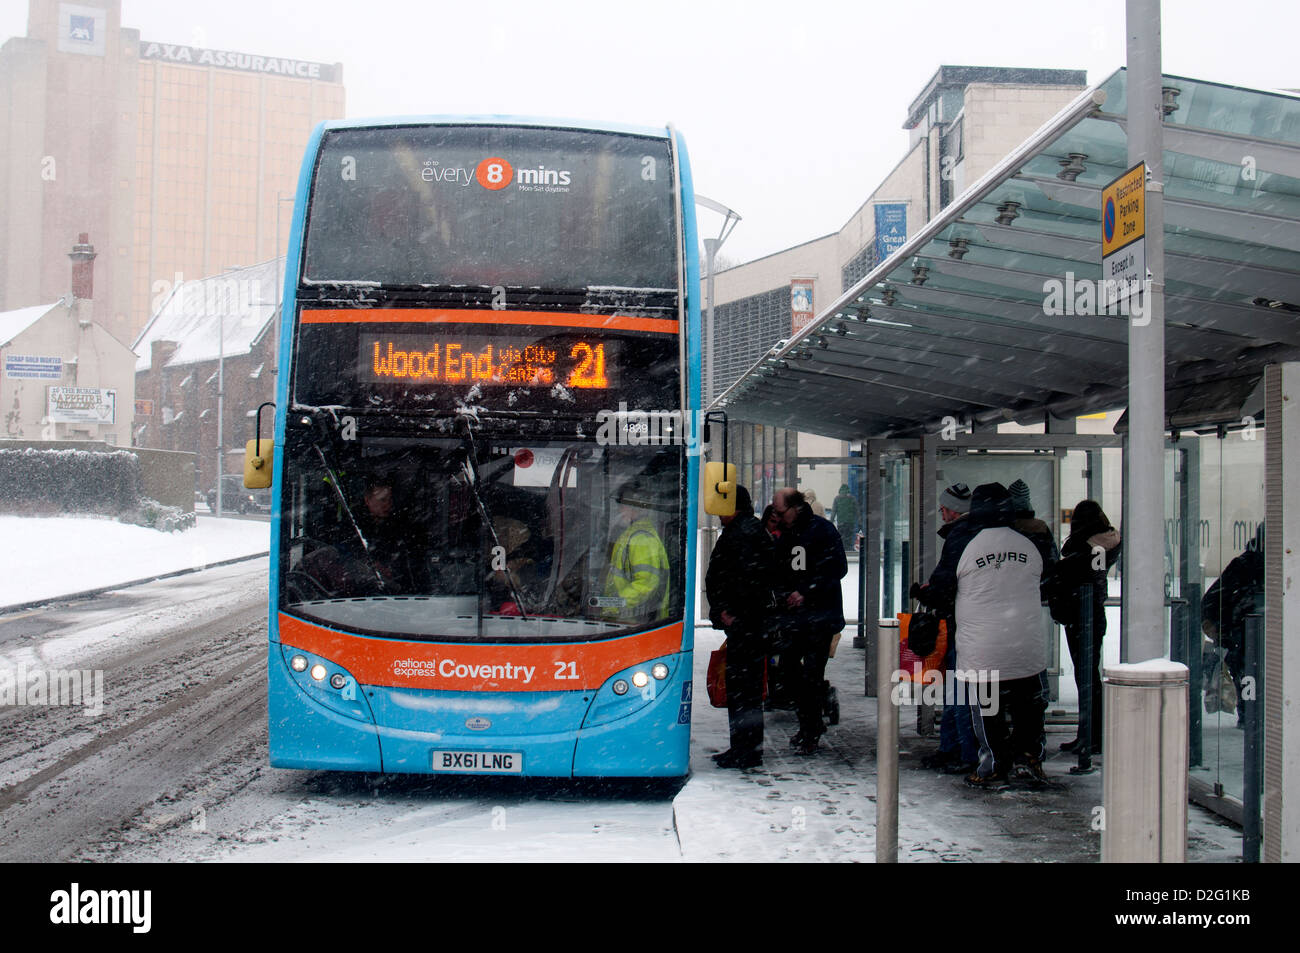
(1038, 531)
(955, 498)
(958, 748)
(1020, 502)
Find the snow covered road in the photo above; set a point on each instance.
(183, 696)
(175, 768)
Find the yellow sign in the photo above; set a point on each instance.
(1123, 210)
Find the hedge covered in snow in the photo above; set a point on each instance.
(47, 482)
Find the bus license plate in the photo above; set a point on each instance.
(479, 762)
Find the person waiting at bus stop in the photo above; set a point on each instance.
(958, 749)
(739, 586)
(1087, 554)
(810, 565)
(988, 578)
(638, 572)
(1236, 594)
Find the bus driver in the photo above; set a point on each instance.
(638, 564)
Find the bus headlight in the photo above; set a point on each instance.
(640, 679)
(620, 687)
(298, 663)
(318, 672)
(660, 671)
(338, 680)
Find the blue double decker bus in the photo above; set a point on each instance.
(484, 452)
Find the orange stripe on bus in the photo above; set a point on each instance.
(466, 667)
(556, 319)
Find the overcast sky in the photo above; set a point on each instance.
(792, 111)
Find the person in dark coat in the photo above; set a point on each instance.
(958, 749)
(1234, 595)
(1027, 524)
(739, 587)
(1086, 556)
(810, 564)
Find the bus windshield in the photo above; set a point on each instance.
(440, 206)
(481, 538)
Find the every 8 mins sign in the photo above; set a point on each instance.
(1123, 234)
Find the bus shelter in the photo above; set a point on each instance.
(995, 313)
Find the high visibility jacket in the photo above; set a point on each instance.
(638, 574)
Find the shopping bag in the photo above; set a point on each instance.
(915, 667)
(716, 680)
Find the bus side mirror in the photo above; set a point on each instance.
(720, 489)
(257, 467)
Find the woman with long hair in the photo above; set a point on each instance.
(1086, 556)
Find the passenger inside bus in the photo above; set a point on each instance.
(380, 554)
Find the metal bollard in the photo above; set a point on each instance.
(887, 661)
(1144, 779)
(1251, 714)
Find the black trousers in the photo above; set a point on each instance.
(1074, 639)
(814, 647)
(1024, 702)
(746, 655)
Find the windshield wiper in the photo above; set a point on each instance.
(352, 520)
(472, 478)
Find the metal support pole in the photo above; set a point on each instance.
(860, 639)
(887, 661)
(221, 406)
(710, 255)
(1252, 715)
(1144, 617)
(871, 553)
(1195, 741)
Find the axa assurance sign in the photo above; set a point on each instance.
(1123, 234)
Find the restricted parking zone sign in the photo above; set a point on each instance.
(1123, 235)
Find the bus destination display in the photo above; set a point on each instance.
(488, 361)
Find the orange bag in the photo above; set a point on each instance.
(913, 666)
(716, 680)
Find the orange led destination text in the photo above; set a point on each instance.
(580, 365)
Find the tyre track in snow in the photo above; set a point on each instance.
(176, 702)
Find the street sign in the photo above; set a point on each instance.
(1123, 235)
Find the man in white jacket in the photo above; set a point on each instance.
(989, 575)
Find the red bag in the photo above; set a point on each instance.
(716, 680)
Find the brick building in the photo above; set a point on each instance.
(216, 330)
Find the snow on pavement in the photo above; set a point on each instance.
(59, 556)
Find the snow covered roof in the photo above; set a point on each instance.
(237, 305)
(14, 323)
